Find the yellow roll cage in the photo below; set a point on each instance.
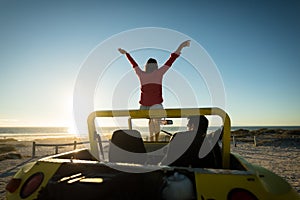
(171, 113)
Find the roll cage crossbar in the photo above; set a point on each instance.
(95, 139)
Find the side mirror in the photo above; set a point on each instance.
(166, 122)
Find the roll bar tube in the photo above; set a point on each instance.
(95, 139)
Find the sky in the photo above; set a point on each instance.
(255, 46)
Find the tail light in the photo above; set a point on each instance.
(13, 185)
(32, 184)
(238, 194)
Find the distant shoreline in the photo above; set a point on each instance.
(65, 127)
(65, 130)
(36, 133)
(265, 127)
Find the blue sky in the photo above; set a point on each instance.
(254, 44)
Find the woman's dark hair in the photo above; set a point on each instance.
(151, 60)
(151, 65)
(200, 122)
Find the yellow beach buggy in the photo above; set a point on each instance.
(128, 167)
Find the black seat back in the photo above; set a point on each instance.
(127, 146)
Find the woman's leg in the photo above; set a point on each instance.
(154, 123)
(152, 129)
(156, 128)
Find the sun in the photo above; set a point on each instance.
(72, 129)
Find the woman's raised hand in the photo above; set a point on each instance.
(122, 51)
(186, 43)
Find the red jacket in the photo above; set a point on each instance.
(151, 83)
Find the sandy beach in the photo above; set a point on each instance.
(278, 153)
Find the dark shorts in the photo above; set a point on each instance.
(156, 106)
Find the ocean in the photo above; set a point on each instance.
(32, 133)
